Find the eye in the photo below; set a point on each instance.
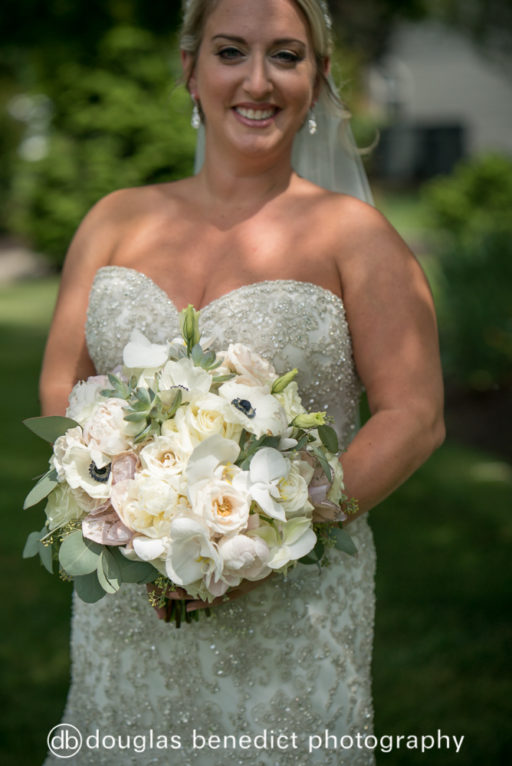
(230, 53)
(288, 57)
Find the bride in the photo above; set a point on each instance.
(310, 278)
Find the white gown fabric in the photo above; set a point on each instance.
(293, 656)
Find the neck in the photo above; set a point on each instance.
(235, 186)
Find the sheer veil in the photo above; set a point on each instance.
(329, 158)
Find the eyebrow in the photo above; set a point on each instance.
(280, 41)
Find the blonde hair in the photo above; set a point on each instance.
(196, 13)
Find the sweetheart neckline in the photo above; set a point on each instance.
(241, 288)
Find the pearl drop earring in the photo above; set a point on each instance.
(312, 124)
(196, 116)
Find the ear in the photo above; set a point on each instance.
(188, 68)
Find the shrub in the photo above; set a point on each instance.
(119, 123)
(472, 209)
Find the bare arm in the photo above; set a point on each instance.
(66, 359)
(392, 320)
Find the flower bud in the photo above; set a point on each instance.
(309, 420)
(280, 383)
(189, 323)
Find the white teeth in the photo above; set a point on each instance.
(255, 114)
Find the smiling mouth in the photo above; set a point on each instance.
(258, 115)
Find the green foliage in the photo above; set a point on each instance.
(475, 199)
(472, 210)
(120, 122)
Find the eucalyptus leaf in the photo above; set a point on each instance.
(46, 556)
(134, 571)
(77, 555)
(342, 540)
(88, 588)
(50, 427)
(329, 438)
(108, 572)
(31, 545)
(326, 468)
(42, 489)
(309, 559)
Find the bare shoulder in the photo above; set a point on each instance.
(115, 217)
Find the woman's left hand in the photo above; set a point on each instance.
(193, 604)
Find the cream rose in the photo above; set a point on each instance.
(206, 416)
(251, 369)
(223, 508)
(289, 400)
(166, 456)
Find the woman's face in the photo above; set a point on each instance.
(255, 75)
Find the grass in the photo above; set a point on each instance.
(443, 542)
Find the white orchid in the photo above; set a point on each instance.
(191, 555)
(208, 456)
(286, 542)
(267, 469)
(140, 353)
(255, 409)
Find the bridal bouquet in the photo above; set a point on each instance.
(188, 468)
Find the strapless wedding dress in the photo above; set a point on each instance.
(292, 657)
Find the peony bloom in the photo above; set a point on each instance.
(107, 431)
(84, 396)
(147, 504)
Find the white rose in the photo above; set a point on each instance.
(289, 400)
(223, 508)
(147, 504)
(84, 397)
(206, 416)
(251, 368)
(61, 507)
(107, 431)
(166, 456)
(81, 467)
(293, 490)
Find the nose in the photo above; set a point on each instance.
(258, 82)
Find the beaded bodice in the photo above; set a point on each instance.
(290, 323)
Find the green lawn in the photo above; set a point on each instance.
(443, 542)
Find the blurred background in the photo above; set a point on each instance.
(89, 102)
